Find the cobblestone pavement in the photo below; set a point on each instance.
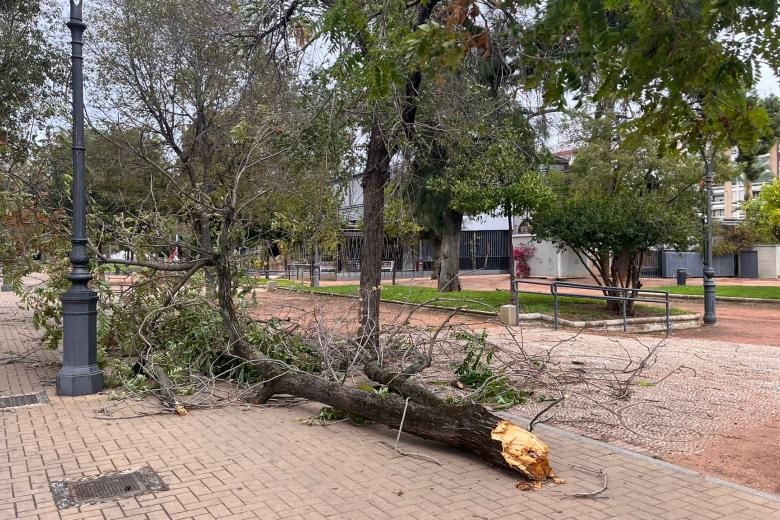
(690, 398)
(253, 462)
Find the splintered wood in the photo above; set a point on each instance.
(523, 451)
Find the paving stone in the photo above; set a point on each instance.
(230, 463)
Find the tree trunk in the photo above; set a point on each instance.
(469, 427)
(449, 263)
(624, 272)
(466, 426)
(374, 178)
(748, 186)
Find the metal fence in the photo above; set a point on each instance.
(479, 251)
(651, 263)
(692, 262)
(484, 250)
(607, 295)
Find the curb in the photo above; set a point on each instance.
(732, 299)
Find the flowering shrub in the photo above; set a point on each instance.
(522, 254)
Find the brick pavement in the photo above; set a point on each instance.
(252, 462)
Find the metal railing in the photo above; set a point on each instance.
(625, 298)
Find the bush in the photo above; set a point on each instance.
(522, 254)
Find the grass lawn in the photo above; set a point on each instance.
(739, 291)
(570, 308)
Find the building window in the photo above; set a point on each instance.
(717, 213)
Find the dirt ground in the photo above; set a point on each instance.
(718, 412)
(746, 455)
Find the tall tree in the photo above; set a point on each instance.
(31, 70)
(752, 168)
(386, 50)
(493, 168)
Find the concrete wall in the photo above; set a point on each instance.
(768, 261)
(549, 262)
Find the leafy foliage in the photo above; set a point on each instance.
(763, 213)
(30, 68)
(475, 372)
(687, 66)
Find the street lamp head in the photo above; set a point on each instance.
(75, 9)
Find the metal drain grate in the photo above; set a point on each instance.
(15, 401)
(111, 486)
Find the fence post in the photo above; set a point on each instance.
(625, 326)
(668, 318)
(554, 289)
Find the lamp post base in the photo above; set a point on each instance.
(80, 374)
(74, 381)
(710, 317)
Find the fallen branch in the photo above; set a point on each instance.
(591, 494)
(537, 416)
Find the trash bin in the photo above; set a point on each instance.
(682, 276)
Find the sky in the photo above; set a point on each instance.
(769, 83)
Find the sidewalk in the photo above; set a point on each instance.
(252, 462)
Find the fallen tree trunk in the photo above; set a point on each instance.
(468, 426)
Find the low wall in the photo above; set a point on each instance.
(635, 325)
(768, 260)
(550, 262)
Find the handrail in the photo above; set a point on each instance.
(604, 297)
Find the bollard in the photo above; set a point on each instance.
(508, 315)
(270, 286)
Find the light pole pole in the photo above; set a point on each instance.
(80, 374)
(5, 283)
(709, 272)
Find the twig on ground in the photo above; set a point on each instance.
(415, 455)
(591, 494)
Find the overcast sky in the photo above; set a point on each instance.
(769, 83)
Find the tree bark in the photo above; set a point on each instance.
(375, 176)
(449, 257)
(624, 272)
(469, 427)
(511, 253)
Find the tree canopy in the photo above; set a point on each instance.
(619, 199)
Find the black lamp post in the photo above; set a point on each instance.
(709, 272)
(5, 284)
(80, 374)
